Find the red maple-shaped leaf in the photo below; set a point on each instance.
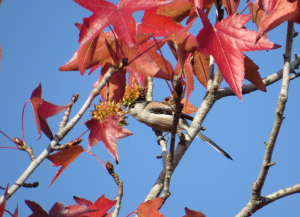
(157, 24)
(225, 42)
(192, 213)
(252, 74)
(102, 204)
(64, 158)
(119, 16)
(276, 12)
(149, 208)
(58, 210)
(108, 130)
(43, 110)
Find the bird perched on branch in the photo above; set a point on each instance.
(159, 116)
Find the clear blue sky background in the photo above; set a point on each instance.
(37, 37)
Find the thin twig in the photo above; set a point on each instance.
(66, 116)
(110, 169)
(257, 201)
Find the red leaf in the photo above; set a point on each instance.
(64, 158)
(164, 65)
(252, 74)
(231, 6)
(150, 208)
(43, 110)
(103, 204)
(189, 78)
(256, 12)
(120, 17)
(16, 213)
(107, 131)
(144, 64)
(158, 24)
(276, 12)
(86, 54)
(192, 213)
(36, 209)
(58, 210)
(225, 42)
(178, 10)
(116, 85)
(201, 67)
(3, 204)
(101, 54)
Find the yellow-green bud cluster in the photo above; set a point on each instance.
(131, 94)
(107, 108)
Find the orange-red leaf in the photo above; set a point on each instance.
(43, 110)
(102, 204)
(252, 74)
(108, 130)
(150, 208)
(178, 10)
(64, 158)
(225, 42)
(276, 12)
(201, 67)
(192, 213)
(257, 14)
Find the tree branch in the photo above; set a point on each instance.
(257, 201)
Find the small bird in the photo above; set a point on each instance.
(159, 116)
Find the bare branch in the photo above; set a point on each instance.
(257, 201)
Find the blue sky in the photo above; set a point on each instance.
(37, 37)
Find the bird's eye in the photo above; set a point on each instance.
(132, 106)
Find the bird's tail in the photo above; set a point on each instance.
(214, 145)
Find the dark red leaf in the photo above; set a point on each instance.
(64, 158)
(43, 110)
(108, 130)
(252, 74)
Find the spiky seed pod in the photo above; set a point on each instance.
(132, 93)
(107, 108)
